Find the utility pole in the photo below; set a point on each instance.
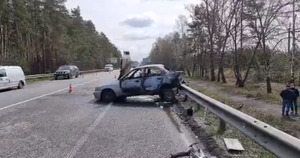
(294, 44)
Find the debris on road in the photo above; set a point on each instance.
(207, 140)
(233, 144)
(193, 152)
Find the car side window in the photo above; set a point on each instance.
(137, 74)
(2, 73)
(130, 74)
(154, 71)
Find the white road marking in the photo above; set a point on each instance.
(89, 130)
(41, 96)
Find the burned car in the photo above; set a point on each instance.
(143, 80)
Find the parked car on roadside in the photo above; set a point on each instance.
(108, 67)
(143, 80)
(11, 77)
(66, 71)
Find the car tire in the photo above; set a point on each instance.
(108, 96)
(167, 94)
(55, 77)
(20, 85)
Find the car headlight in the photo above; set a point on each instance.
(98, 89)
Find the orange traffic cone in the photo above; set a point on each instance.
(70, 88)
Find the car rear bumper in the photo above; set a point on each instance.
(97, 95)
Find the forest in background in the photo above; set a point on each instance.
(40, 35)
(245, 40)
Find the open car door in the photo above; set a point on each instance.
(153, 79)
(132, 82)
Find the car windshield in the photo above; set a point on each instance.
(64, 68)
(2, 73)
(109, 65)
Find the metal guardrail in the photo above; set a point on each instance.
(40, 76)
(272, 139)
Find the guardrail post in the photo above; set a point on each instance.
(222, 127)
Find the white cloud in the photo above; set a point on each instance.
(138, 22)
(137, 37)
(145, 20)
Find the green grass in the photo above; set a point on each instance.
(31, 81)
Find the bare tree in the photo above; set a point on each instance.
(262, 16)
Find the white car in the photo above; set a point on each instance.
(11, 77)
(143, 80)
(108, 67)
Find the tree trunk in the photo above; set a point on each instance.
(223, 76)
(269, 88)
(212, 66)
(251, 63)
(188, 71)
(219, 75)
(194, 68)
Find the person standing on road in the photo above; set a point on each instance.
(287, 96)
(294, 106)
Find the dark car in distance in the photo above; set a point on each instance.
(66, 71)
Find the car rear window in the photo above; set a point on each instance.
(155, 71)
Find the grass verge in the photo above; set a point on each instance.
(252, 149)
(30, 81)
(251, 90)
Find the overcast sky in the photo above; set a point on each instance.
(132, 24)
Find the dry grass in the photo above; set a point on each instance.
(252, 149)
(251, 90)
(292, 128)
(211, 122)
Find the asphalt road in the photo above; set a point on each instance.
(44, 120)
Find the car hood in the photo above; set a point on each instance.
(66, 71)
(111, 84)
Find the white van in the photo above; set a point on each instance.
(11, 77)
(109, 67)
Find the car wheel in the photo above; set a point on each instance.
(167, 94)
(20, 85)
(108, 96)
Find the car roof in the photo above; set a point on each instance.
(66, 65)
(10, 67)
(151, 65)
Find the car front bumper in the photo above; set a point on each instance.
(61, 75)
(97, 95)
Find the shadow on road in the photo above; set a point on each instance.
(137, 101)
(7, 90)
